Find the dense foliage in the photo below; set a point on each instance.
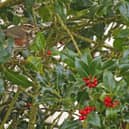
(77, 63)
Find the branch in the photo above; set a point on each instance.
(90, 41)
(9, 110)
(69, 33)
(33, 114)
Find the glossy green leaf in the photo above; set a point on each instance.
(122, 33)
(95, 66)
(86, 56)
(2, 37)
(17, 78)
(2, 89)
(39, 43)
(35, 63)
(81, 68)
(118, 44)
(108, 80)
(108, 64)
(111, 113)
(82, 98)
(45, 13)
(124, 9)
(94, 119)
(60, 8)
(71, 124)
(6, 52)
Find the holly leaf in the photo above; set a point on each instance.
(16, 78)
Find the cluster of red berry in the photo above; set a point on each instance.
(110, 103)
(84, 112)
(90, 82)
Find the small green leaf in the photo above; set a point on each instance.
(94, 119)
(1, 86)
(82, 98)
(81, 68)
(111, 113)
(95, 66)
(108, 80)
(60, 8)
(108, 64)
(124, 9)
(2, 36)
(6, 50)
(17, 78)
(126, 54)
(71, 124)
(45, 14)
(118, 44)
(86, 56)
(35, 63)
(39, 43)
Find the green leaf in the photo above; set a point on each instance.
(122, 33)
(81, 68)
(45, 14)
(82, 98)
(124, 67)
(39, 43)
(71, 124)
(108, 80)
(118, 44)
(124, 9)
(60, 8)
(111, 113)
(95, 66)
(86, 56)
(4, 56)
(16, 78)
(6, 52)
(68, 57)
(1, 86)
(94, 119)
(108, 64)
(35, 63)
(2, 37)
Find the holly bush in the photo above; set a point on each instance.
(77, 64)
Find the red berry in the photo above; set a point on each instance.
(49, 52)
(82, 117)
(88, 109)
(108, 101)
(89, 82)
(82, 112)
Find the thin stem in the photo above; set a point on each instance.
(9, 110)
(32, 120)
(33, 111)
(90, 41)
(69, 33)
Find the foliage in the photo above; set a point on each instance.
(77, 41)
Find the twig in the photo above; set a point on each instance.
(69, 33)
(90, 41)
(9, 110)
(32, 120)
